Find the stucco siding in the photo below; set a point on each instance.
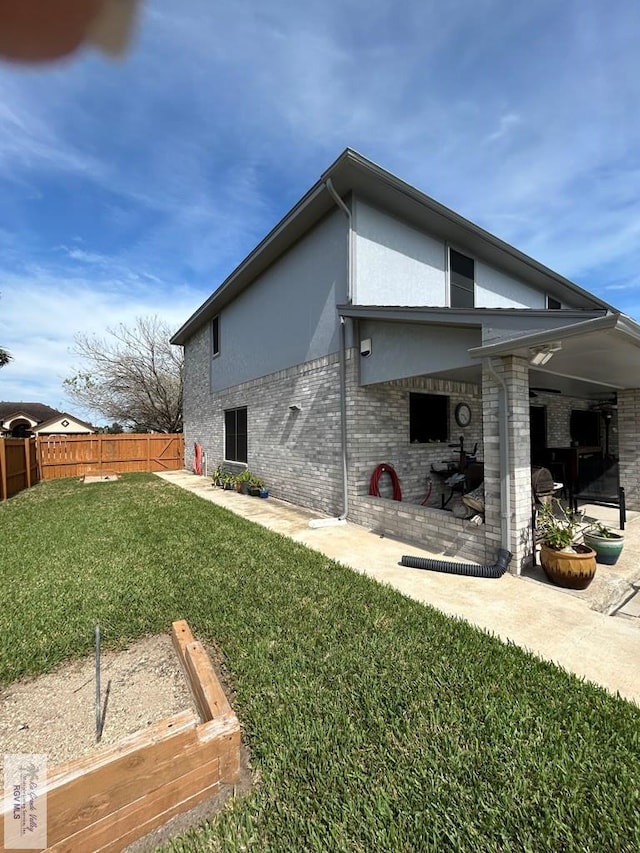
(494, 289)
(400, 350)
(395, 264)
(288, 316)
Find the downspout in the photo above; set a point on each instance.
(497, 569)
(342, 518)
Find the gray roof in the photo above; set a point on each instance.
(353, 173)
(36, 411)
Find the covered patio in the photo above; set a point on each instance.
(558, 389)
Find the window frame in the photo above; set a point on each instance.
(235, 435)
(450, 284)
(556, 307)
(215, 336)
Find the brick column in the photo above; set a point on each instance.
(629, 445)
(515, 373)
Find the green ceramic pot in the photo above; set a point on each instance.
(607, 549)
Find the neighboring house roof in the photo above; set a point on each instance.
(40, 417)
(352, 172)
(37, 412)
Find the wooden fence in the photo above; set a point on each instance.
(18, 465)
(76, 455)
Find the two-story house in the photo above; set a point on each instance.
(374, 325)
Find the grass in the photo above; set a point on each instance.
(374, 723)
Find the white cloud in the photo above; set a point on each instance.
(40, 314)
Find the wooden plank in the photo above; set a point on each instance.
(82, 800)
(201, 677)
(117, 830)
(210, 697)
(181, 636)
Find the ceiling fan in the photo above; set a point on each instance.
(535, 392)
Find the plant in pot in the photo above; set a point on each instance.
(607, 543)
(255, 486)
(217, 477)
(243, 481)
(228, 481)
(565, 560)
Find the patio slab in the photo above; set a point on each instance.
(537, 616)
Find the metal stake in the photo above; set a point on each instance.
(98, 720)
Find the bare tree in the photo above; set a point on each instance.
(134, 376)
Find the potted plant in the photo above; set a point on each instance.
(606, 542)
(565, 560)
(243, 481)
(228, 481)
(217, 477)
(255, 486)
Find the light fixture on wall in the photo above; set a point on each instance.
(294, 407)
(544, 354)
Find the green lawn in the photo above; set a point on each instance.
(374, 723)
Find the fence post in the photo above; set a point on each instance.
(100, 437)
(3, 470)
(27, 460)
(148, 451)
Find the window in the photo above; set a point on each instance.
(584, 427)
(235, 435)
(462, 276)
(215, 336)
(553, 303)
(428, 418)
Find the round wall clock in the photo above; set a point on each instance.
(463, 414)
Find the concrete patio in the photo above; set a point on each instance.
(554, 624)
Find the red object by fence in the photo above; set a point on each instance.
(197, 458)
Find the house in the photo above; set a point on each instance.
(374, 325)
(24, 419)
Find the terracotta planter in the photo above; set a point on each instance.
(569, 569)
(607, 548)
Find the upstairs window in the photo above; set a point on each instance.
(428, 418)
(462, 276)
(215, 336)
(235, 435)
(553, 303)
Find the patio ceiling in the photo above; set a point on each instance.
(589, 358)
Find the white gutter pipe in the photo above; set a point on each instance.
(503, 440)
(342, 518)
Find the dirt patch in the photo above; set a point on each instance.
(55, 713)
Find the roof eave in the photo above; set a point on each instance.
(609, 321)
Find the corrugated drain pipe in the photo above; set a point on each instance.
(497, 569)
(342, 518)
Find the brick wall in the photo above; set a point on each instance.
(298, 454)
(629, 437)
(378, 429)
(558, 414)
(434, 530)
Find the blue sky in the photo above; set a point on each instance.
(135, 187)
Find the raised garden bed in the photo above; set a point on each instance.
(107, 800)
